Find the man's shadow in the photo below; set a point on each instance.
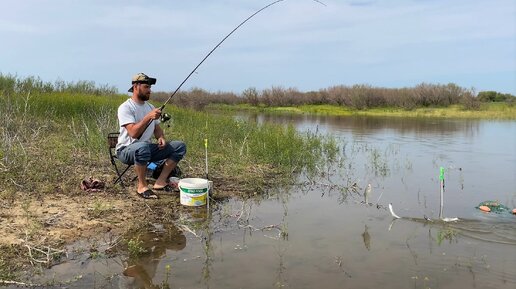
(156, 242)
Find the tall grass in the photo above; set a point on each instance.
(10, 84)
(240, 144)
(52, 139)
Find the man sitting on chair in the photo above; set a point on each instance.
(139, 120)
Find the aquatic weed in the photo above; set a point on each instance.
(135, 247)
(446, 234)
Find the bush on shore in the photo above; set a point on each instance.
(493, 96)
(358, 97)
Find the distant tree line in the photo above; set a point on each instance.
(356, 97)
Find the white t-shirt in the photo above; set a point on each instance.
(133, 112)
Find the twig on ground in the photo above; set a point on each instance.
(185, 228)
(3, 167)
(17, 283)
(25, 284)
(16, 184)
(149, 207)
(49, 254)
(113, 243)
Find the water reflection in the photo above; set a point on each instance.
(320, 231)
(237, 247)
(156, 243)
(500, 229)
(367, 238)
(361, 125)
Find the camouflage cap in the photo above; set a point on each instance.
(142, 78)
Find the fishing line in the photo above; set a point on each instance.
(217, 46)
(214, 48)
(208, 55)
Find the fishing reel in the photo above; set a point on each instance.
(165, 117)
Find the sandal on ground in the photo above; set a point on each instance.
(148, 194)
(166, 188)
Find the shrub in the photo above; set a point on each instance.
(360, 96)
(493, 96)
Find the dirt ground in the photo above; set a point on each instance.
(52, 221)
(60, 219)
(63, 219)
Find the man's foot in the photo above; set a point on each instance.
(166, 188)
(148, 194)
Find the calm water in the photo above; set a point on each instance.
(320, 234)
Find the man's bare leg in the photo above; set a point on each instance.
(162, 181)
(142, 181)
(141, 172)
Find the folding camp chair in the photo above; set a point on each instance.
(112, 141)
(153, 168)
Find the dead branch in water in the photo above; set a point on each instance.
(187, 229)
(281, 233)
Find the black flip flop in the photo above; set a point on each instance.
(166, 188)
(148, 194)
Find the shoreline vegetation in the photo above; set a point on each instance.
(494, 111)
(54, 136)
(422, 100)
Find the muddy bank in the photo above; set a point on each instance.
(38, 231)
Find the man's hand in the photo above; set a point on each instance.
(161, 143)
(155, 113)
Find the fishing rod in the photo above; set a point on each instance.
(206, 57)
(166, 116)
(214, 48)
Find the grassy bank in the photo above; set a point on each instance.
(52, 141)
(53, 137)
(485, 111)
(52, 134)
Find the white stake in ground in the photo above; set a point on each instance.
(207, 180)
(441, 178)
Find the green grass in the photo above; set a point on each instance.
(239, 150)
(8, 263)
(51, 140)
(486, 111)
(99, 209)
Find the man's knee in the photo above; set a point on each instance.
(181, 149)
(142, 155)
(178, 150)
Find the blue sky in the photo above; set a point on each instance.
(295, 43)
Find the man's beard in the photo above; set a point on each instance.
(143, 97)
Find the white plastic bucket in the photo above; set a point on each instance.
(193, 191)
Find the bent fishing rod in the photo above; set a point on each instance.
(211, 51)
(214, 48)
(208, 55)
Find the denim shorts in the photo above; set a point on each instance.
(141, 153)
